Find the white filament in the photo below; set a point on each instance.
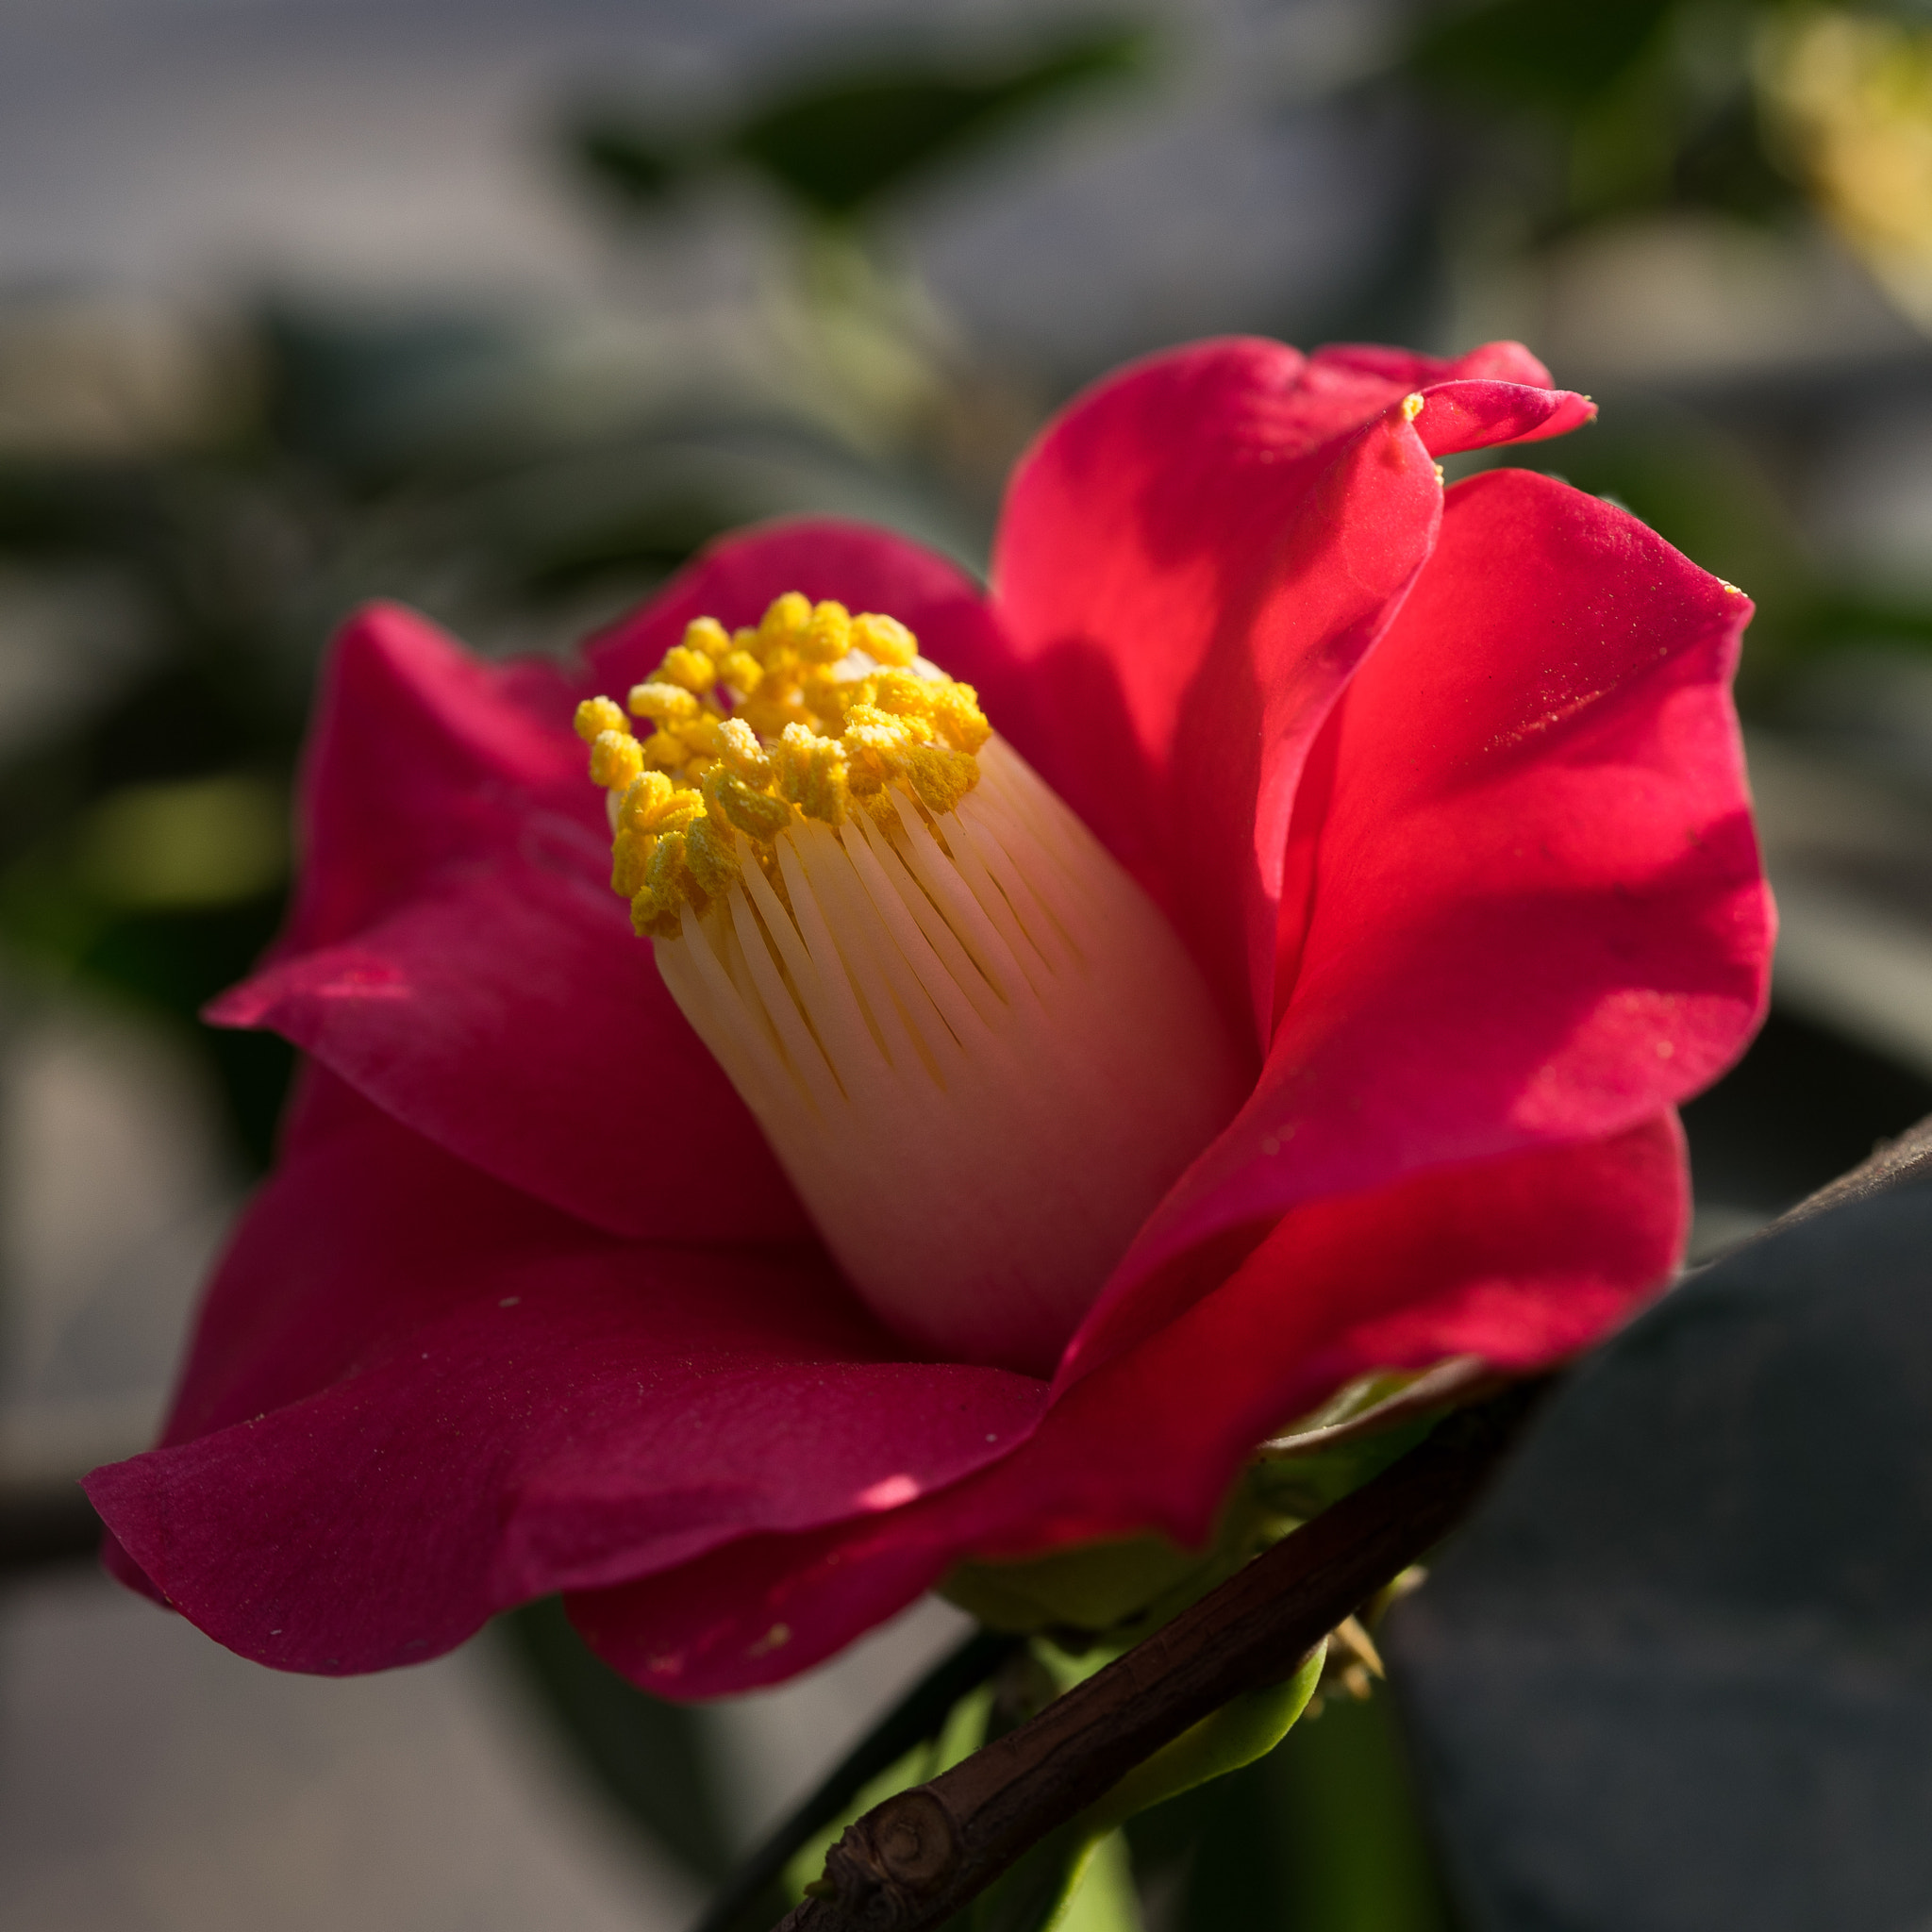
(981, 1061)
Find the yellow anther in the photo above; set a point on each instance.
(707, 635)
(684, 810)
(657, 907)
(595, 715)
(647, 797)
(630, 853)
(829, 636)
(738, 746)
(778, 701)
(656, 915)
(825, 696)
(616, 759)
(875, 743)
(804, 727)
(692, 670)
(756, 813)
(956, 711)
(867, 724)
(1412, 404)
(783, 625)
(941, 777)
(885, 640)
(741, 672)
(904, 693)
(663, 703)
(656, 802)
(710, 854)
(812, 773)
(665, 860)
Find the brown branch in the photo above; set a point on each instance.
(915, 1859)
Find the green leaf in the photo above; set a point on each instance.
(937, 1722)
(1234, 1736)
(838, 145)
(1320, 1836)
(641, 168)
(1070, 1881)
(1536, 53)
(654, 1760)
(1078, 1878)
(1103, 1898)
(1678, 1670)
(842, 145)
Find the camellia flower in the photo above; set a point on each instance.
(1006, 1101)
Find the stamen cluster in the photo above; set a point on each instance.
(806, 714)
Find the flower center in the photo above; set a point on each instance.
(976, 1045)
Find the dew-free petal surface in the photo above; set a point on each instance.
(418, 1397)
(1191, 563)
(1522, 1260)
(1455, 818)
(1524, 898)
(455, 954)
(862, 568)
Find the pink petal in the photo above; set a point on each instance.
(1191, 564)
(417, 1396)
(1522, 1260)
(1528, 905)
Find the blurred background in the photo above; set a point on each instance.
(502, 309)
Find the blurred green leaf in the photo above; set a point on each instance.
(1541, 54)
(1103, 1898)
(838, 145)
(1068, 1882)
(1240, 1733)
(167, 963)
(1305, 1485)
(185, 843)
(851, 141)
(1637, 103)
(641, 168)
(1714, 497)
(1320, 1836)
(1702, 489)
(934, 1723)
(655, 1760)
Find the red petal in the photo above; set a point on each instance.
(1472, 415)
(1522, 1260)
(456, 953)
(1191, 564)
(417, 1397)
(822, 556)
(1537, 909)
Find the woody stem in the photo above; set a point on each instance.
(917, 1858)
